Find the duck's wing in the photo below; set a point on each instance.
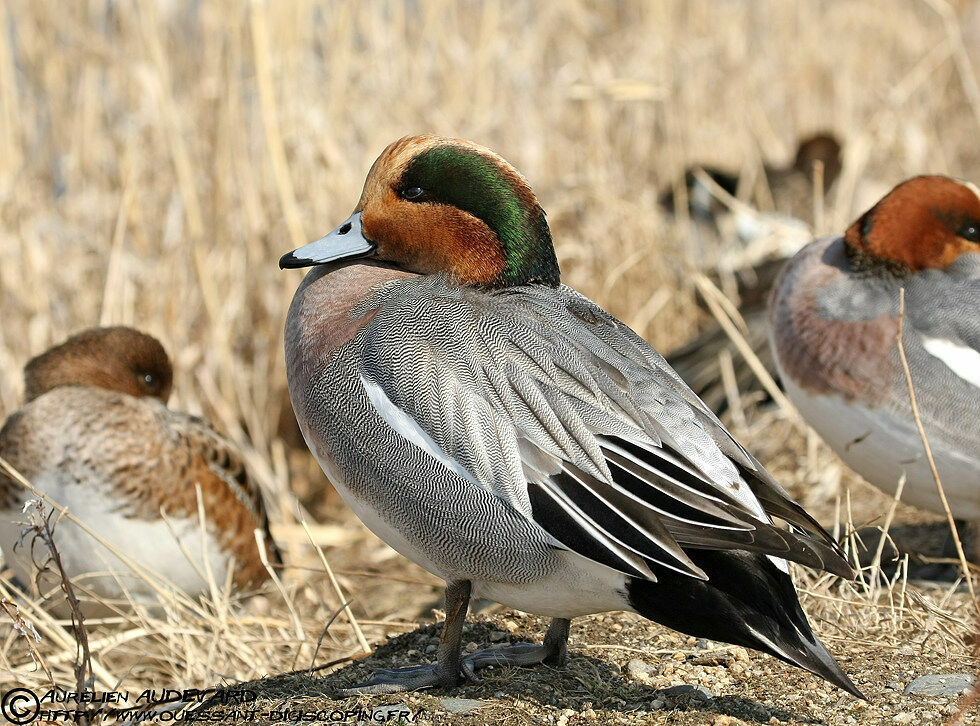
(942, 345)
(543, 398)
(158, 466)
(170, 454)
(208, 458)
(942, 312)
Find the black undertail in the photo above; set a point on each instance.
(746, 601)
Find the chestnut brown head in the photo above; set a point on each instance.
(116, 359)
(926, 222)
(436, 205)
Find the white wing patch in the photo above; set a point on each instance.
(409, 429)
(961, 359)
(780, 563)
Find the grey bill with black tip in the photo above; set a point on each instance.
(345, 242)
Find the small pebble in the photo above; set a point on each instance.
(471, 647)
(460, 706)
(903, 717)
(497, 635)
(686, 689)
(940, 684)
(713, 658)
(639, 669)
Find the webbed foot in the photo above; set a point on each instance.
(411, 678)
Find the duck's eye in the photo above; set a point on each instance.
(149, 380)
(413, 194)
(970, 231)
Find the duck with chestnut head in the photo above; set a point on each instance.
(513, 438)
(96, 436)
(835, 321)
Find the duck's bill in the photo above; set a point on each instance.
(344, 242)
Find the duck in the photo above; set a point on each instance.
(790, 188)
(96, 436)
(513, 438)
(769, 240)
(835, 316)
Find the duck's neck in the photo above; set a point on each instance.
(321, 314)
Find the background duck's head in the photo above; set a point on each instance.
(823, 147)
(926, 222)
(116, 359)
(440, 205)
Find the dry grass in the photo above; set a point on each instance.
(156, 158)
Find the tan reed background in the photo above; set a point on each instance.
(157, 157)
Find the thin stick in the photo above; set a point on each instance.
(326, 629)
(710, 293)
(876, 563)
(340, 595)
(29, 632)
(264, 556)
(115, 269)
(205, 560)
(273, 135)
(145, 572)
(84, 675)
(730, 384)
(925, 443)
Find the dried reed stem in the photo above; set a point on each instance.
(270, 118)
(711, 294)
(925, 442)
(340, 594)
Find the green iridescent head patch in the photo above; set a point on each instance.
(479, 184)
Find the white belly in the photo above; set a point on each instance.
(882, 449)
(92, 567)
(580, 587)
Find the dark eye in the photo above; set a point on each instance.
(412, 193)
(149, 380)
(970, 231)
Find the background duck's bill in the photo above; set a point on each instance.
(344, 242)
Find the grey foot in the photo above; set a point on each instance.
(411, 678)
(519, 654)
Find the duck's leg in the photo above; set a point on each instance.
(446, 672)
(553, 651)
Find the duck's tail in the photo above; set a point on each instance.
(747, 601)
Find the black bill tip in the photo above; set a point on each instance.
(290, 261)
